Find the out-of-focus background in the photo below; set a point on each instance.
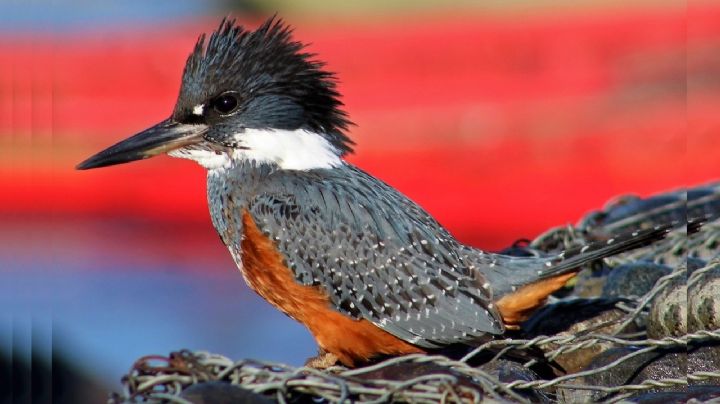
(502, 118)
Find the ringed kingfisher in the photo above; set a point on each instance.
(364, 268)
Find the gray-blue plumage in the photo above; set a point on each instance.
(377, 254)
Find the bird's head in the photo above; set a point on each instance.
(247, 95)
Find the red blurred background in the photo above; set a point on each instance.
(500, 121)
(501, 126)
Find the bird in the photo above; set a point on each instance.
(369, 272)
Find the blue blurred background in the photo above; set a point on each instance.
(502, 118)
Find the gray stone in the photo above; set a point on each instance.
(668, 310)
(704, 357)
(633, 279)
(222, 393)
(650, 365)
(704, 299)
(700, 394)
(575, 317)
(508, 371)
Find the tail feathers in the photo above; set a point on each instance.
(529, 290)
(695, 224)
(571, 260)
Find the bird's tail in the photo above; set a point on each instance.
(529, 281)
(572, 259)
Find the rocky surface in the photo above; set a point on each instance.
(669, 310)
(704, 298)
(577, 317)
(634, 370)
(692, 394)
(222, 393)
(633, 279)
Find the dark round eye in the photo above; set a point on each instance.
(225, 103)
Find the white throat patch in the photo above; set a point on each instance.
(289, 149)
(209, 159)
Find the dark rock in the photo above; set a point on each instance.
(671, 365)
(508, 371)
(572, 315)
(621, 374)
(635, 370)
(403, 371)
(504, 370)
(575, 317)
(633, 279)
(704, 357)
(705, 244)
(222, 393)
(694, 263)
(700, 393)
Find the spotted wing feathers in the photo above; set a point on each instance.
(377, 255)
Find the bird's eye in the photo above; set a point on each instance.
(225, 103)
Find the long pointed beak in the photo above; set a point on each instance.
(166, 136)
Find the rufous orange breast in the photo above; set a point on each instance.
(351, 341)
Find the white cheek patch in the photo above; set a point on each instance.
(199, 110)
(289, 149)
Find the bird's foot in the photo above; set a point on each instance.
(323, 360)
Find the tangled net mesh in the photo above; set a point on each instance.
(437, 378)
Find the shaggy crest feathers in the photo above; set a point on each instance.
(266, 61)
